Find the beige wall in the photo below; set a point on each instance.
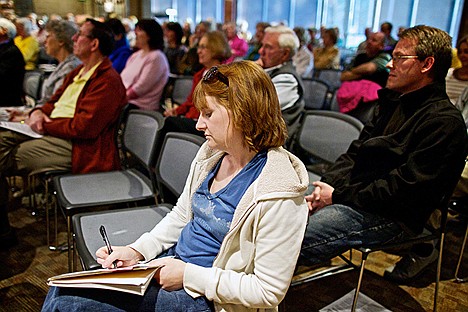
(62, 7)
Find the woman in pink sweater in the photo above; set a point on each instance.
(147, 70)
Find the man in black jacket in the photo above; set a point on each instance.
(406, 159)
(11, 66)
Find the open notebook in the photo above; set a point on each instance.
(20, 127)
(134, 280)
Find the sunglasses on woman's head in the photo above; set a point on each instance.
(213, 75)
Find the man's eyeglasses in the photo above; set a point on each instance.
(80, 34)
(213, 75)
(396, 58)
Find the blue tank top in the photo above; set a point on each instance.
(201, 238)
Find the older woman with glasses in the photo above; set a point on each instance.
(213, 49)
(237, 228)
(59, 45)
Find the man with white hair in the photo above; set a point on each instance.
(11, 66)
(279, 45)
(27, 44)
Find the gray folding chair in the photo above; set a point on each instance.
(331, 76)
(126, 225)
(79, 192)
(182, 88)
(32, 84)
(316, 93)
(323, 136)
(174, 162)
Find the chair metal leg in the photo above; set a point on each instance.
(48, 206)
(439, 268)
(29, 188)
(358, 287)
(69, 240)
(460, 257)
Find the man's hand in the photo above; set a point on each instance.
(36, 121)
(171, 275)
(16, 115)
(320, 197)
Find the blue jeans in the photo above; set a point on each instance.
(337, 228)
(155, 299)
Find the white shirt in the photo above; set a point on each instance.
(286, 87)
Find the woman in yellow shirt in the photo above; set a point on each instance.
(26, 43)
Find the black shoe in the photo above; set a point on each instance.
(410, 267)
(8, 239)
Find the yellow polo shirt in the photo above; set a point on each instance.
(65, 106)
(29, 47)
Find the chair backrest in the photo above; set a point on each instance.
(327, 134)
(32, 84)
(331, 76)
(182, 88)
(173, 165)
(140, 135)
(364, 111)
(315, 93)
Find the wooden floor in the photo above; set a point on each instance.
(25, 268)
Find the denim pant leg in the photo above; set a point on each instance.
(181, 301)
(336, 228)
(88, 299)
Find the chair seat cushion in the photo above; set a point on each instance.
(103, 188)
(123, 227)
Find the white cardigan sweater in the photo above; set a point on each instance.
(257, 258)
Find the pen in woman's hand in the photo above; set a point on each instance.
(102, 230)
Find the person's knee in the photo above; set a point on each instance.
(328, 218)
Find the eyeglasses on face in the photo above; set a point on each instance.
(396, 58)
(80, 34)
(213, 75)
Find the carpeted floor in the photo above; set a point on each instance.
(25, 268)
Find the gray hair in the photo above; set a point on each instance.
(9, 27)
(286, 39)
(63, 31)
(27, 24)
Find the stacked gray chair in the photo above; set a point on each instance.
(79, 192)
(126, 225)
(316, 93)
(331, 76)
(182, 88)
(32, 84)
(324, 135)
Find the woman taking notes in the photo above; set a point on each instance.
(236, 231)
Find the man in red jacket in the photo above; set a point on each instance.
(78, 123)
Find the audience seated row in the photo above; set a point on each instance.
(247, 168)
(78, 122)
(276, 58)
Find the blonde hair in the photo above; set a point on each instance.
(218, 45)
(252, 100)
